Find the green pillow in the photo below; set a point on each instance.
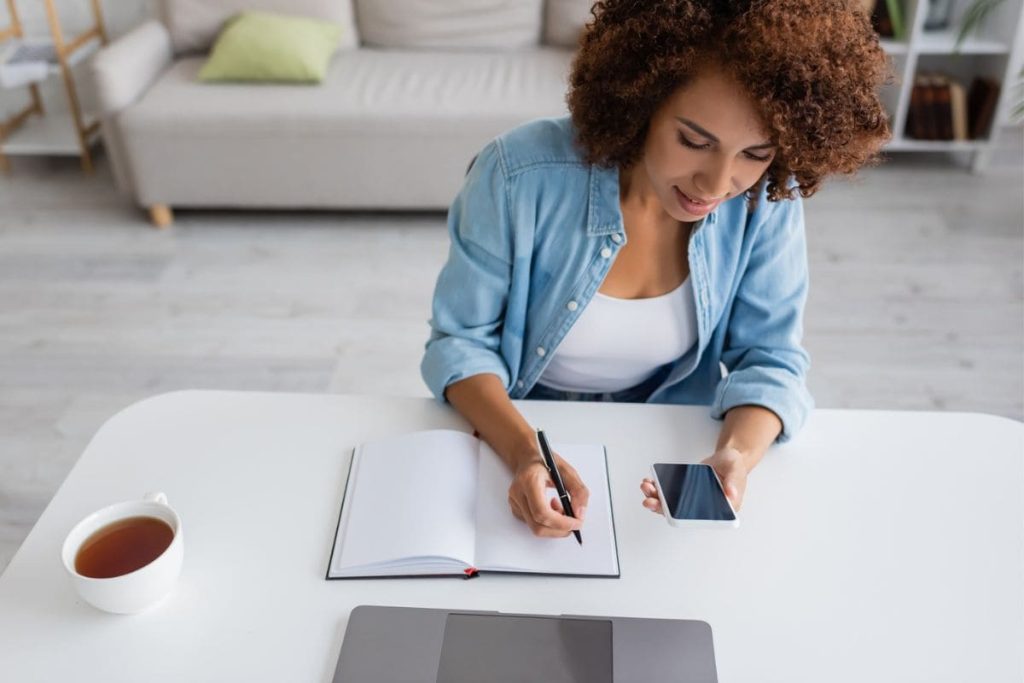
(259, 46)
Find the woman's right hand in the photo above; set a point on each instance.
(527, 497)
(483, 401)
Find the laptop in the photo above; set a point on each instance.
(413, 645)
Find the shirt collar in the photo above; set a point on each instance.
(604, 213)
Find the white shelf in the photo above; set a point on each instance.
(911, 145)
(944, 42)
(52, 134)
(894, 47)
(991, 51)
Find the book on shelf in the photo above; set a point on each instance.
(938, 109)
(924, 113)
(943, 107)
(28, 52)
(929, 108)
(886, 17)
(938, 16)
(982, 98)
(958, 109)
(914, 128)
(895, 8)
(435, 503)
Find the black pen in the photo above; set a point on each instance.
(549, 462)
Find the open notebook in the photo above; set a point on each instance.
(435, 503)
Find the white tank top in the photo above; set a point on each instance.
(616, 344)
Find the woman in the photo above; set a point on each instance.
(630, 251)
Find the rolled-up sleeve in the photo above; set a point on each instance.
(472, 290)
(763, 354)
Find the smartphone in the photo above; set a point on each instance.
(692, 496)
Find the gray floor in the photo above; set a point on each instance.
(917, 303)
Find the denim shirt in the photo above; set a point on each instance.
(535, 230)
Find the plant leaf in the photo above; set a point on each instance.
(973, 17)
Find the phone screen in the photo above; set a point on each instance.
(692, 492)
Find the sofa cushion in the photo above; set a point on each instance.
(449, 24)
(430, 92)
(386, 128)
(195, 24)
(263, 47)
(564, 21)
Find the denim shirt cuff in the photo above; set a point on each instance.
(439, 373)
(778, 390)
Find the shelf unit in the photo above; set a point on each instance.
(67, 133)
(991, 51)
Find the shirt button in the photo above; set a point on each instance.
(520, 384)
(572, 305)
(541, 351)
(606, 253)
(617, 238)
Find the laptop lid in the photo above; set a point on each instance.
(413, 645)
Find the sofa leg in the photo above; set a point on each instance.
(160, 215)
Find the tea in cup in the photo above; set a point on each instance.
(127, 556)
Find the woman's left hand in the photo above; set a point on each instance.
(730, 468)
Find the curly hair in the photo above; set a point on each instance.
(813, 68)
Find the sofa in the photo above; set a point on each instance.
(414, 90)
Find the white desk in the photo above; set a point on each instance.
(877, 546)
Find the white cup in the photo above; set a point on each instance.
(142, 588)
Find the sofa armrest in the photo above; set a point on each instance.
(125, 68)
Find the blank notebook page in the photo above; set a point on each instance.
(504, 542)
(410, 496)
